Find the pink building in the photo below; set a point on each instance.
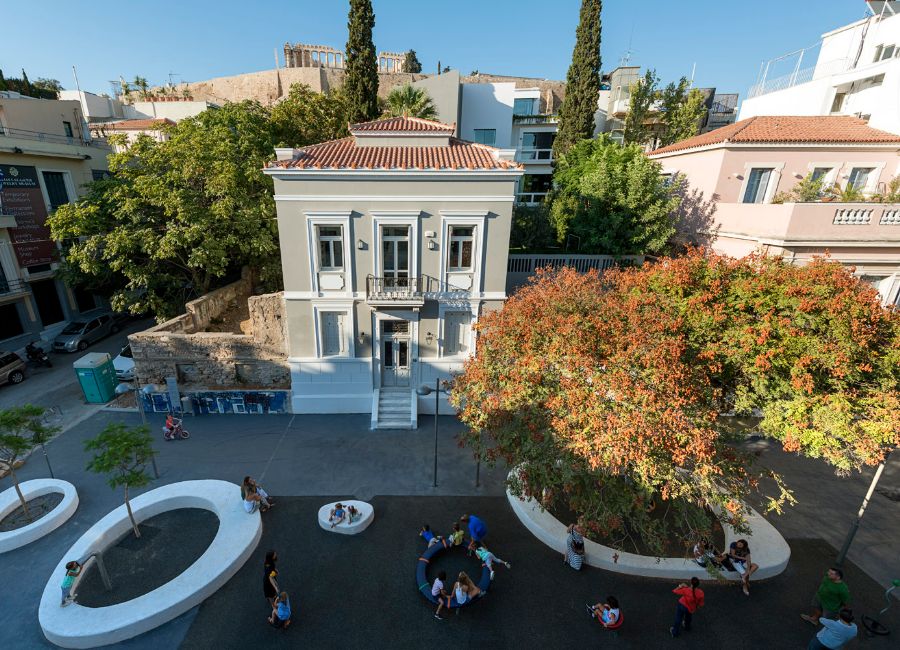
(741, 168)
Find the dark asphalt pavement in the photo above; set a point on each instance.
(360, 592)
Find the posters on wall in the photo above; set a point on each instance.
(21, 197)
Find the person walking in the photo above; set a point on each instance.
(831, 596)
(477, 530)
(270, 578)
(834, 635)
(281, 612)
(691, 600)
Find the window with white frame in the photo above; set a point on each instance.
(459, 253)
(757, 184)
(821, 173)
(331, 248)
(457, 332)
(859, 177)
(332, 326)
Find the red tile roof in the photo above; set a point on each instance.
(346, 154)
(403, 125)
(134, 125)
(781, 129)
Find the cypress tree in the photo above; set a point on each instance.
(576, 115)
(26, 85)
(2, 82)
(361, 78)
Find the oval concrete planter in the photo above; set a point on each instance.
(87, 627)
(769, 550)
(9, 501)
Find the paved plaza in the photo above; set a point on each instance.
(355, 592)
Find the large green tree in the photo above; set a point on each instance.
(642, 94)
(606, 391)
(175, 217)
(683, 108)
(411, 62)
(579, 106)
(410, 101)
(306, 117)
(613, 198)
(361, 77)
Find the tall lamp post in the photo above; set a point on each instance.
(424, 390)
(859, 515)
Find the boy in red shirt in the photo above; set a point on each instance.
(691, 600)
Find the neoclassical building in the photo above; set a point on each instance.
(394, 241)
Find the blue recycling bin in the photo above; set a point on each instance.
(97, 377)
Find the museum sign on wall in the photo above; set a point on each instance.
(21, 197)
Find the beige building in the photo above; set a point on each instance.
(156, 129)
(747, 169)
(393, 240)
(47, 156)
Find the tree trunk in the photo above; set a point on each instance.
(12, 472)
(137, 533)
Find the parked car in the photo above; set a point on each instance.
(12, 368)
(124, 364)
(77, 335)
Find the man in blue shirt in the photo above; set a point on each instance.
(477, 530)
(834, 634)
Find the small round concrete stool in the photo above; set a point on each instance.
(347, 527)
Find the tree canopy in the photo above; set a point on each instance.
(122, 453)
(641, 96)
(21, 429)
(361, 78)
(410, 101)
(683, 108)
(42, 88)
(579, 106)
(660, 117)
(176, 216)
(613, 199)
(608, 389)
(411, 62)
(306, 117)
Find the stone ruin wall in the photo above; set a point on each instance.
(269, 86)
(217, 360)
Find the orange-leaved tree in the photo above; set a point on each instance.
(607, 390)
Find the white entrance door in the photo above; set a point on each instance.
(395, 343)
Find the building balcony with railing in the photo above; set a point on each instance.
(535, 119)
(44, 143)
(395, 291)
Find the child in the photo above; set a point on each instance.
(353, 513)
(73, 570)
(281, 612)
(337, 514)
(489, 558)
(428, 536)
(607, 613)
(456, 537)
(437, 590)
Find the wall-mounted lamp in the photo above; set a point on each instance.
(362, 338)
(17, 150)
(429, 338)
(431, 245)
(360, 244)
(740, 177)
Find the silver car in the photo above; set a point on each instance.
(77, 335)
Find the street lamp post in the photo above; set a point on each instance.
(424, 390)
(859, 515)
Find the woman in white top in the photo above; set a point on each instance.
(464, 589)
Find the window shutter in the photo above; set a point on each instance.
(332, 333)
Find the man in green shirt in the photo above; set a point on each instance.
(832, 596)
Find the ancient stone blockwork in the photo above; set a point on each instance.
(217, 360)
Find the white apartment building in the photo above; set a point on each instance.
(854, 70)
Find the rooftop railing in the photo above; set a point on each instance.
(42, 136)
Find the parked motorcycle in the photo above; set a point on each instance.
(37, 356)
(173, 429)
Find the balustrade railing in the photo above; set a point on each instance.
(394, 288)
(852, 216)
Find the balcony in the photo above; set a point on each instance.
(394, 292)
(822, 224)
(12, 289)
(534, 155)
(41, 136)
(530, 198)
(535, 119)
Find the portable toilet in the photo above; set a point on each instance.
(97, 377)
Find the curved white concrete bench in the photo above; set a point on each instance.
(76, 626)
(767, 546)
(345, 527)
(39, 487)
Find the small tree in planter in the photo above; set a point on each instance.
(122, 453)
(21, 429)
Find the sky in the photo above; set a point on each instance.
(200, 39)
